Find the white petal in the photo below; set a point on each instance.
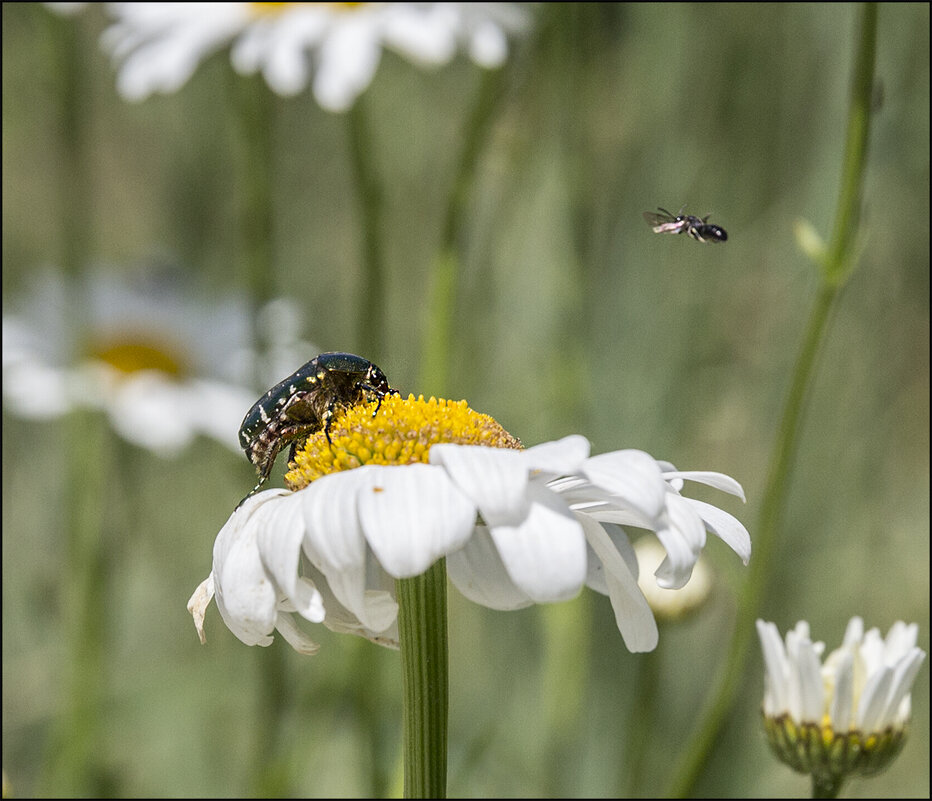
(904, 674)
(545, 555)
(296, 638)
(595, 575)
(488, 45)
(632, 614)
(874, 700)
(776, 696)
(197, 605)
(843, 695)
(724, 526)
(495, 479)
(246, 597)
(478, 573)
(281, 531)
(811, 689)
(675, 570)
(632, 475)
(349, 57)
(424, 34)
(717, 480)
(559, 458)
(412, 515)
(379, 605)
(333, 539)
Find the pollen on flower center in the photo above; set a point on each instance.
(399, 431)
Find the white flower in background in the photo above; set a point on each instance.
(846, 715)
(396, 489)
(335, 46)
(164, 364)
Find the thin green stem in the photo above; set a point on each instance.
(253, 110)
(838, 266)
(369, 197)
(441, 306)
(422, 626)
(76, 764)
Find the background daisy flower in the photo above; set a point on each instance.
(335, 46)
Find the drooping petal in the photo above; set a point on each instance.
(632, 614)
(334, 540)
(246, 598)
(279, 537)
(406, 534)
(545, 554)
(296, 638)
(479, 574)
(724, 526)
(379, 605)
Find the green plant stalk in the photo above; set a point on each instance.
(254, 113)
(441, 306)
(371, 316)
(422, 628)
(838, 265)
(76, 764)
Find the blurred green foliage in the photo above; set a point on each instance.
(571, 317)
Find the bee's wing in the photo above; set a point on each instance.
(664, 223)
(653, 218)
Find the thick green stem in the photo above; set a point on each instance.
(422, 626)
(838, 265)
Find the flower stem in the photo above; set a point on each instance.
(441, 306)
(254, 116)
(369, 196)
(836, 267)
(422, 627)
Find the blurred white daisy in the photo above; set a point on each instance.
(847, 715)
(403, 484)
(335, 46)
(164, 364)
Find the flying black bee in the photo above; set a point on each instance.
(699, 229)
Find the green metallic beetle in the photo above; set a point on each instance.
(304, 403)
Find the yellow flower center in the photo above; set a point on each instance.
(400, 432)
(276, 8)
(130, 355)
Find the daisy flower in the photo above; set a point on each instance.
(399, 485)
(164, 364)
(846, 715)
(158, 46)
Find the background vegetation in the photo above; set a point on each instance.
(571, 317)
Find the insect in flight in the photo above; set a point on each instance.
(305, 403)
(699, 229)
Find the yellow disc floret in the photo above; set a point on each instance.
(400, 432)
